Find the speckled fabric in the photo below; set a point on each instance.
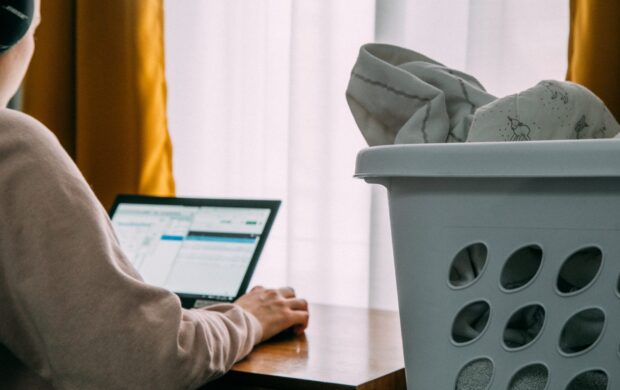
(399, 96)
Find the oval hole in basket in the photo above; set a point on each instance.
(521, 267)
(532, 377)
(471, 321)
(524, 326)
(591, 380)
(582, 330)
(475, 375)
(468, 264)
(579, 270)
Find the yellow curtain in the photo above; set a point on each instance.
(97, 80)
(594, 49)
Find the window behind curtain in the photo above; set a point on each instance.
(257, 109)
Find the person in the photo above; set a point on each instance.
(74, 313)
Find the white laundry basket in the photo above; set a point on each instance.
(559, 197)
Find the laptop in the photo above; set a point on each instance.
(204, 250)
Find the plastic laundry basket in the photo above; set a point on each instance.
(558, 197)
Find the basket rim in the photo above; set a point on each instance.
(555, 158)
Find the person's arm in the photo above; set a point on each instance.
(78, 312)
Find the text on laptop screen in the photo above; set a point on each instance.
(193, 250)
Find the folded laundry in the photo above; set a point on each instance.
(399, 96)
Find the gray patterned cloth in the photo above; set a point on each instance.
(398, 96)
(549, 110)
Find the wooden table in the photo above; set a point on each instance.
(343, 348)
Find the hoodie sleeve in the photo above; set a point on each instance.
(78, 313)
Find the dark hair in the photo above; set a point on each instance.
(15, 20)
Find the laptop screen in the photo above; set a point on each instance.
(197, 248)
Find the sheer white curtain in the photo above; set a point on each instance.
(257, 109)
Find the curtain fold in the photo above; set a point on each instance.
(98, 81)
(594, 49)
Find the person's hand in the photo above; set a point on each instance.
(276, 309)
